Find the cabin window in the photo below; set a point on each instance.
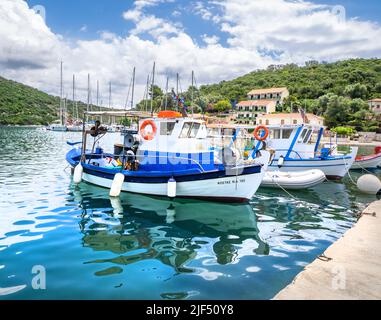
(307, 137)
(275, 134)
(189, 130)
(287, 133)
(166, 128)
(267, 122)
(194, 130)
(302, 136)
(185, 130)
(282, 121)
(295, 121)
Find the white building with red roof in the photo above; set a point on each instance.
(260, 101)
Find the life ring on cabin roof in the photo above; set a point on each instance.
(142, 131)
(259, 137)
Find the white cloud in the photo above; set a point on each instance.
(176, 13)
(145, 23)
(299, 30)
(259, 33)
(210, 40)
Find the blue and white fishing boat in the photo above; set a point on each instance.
(169, 156)
(295, 151)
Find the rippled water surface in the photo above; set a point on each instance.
(139, 247)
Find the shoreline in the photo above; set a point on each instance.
(349, 269)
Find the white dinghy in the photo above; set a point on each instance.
(293, 180)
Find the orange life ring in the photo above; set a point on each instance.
(148, 136)
(259, 137)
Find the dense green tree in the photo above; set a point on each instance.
(357, 90)
(222, 106)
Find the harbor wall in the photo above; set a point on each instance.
(350, 269)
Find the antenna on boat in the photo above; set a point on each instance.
(152, 90)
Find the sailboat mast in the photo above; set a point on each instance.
(152, 90)
(192, 91)
(146, 95)
(109, 96)
(166, 94)
(61, 95)
(74, 113)
(133, 88)
(177, 92)
(97, 93)
(88, 97)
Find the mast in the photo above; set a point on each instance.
(133, 88)
(166, 94)
(61, 95)
(146, 95)
(153, 83)
(109, 96)
(74, 104)
(177, 92)
(192, 92)
(88, 96)
(97, 93)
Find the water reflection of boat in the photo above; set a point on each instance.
(174, 233)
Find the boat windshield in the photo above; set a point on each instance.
(166, 128)
(189, 130)
(280, 133)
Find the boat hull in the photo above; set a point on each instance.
(233, 185)
(369, 162)
(293, 180)
(334, 168)
(227, 189)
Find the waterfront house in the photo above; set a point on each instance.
(279, 119)
(275, 94)
(260, 101)
(248, 111)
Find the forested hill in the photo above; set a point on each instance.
(306, 82)
(24, 105)
(339, 90)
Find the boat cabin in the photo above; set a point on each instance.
(295, 142)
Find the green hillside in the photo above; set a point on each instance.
(23, 105)
(339, 91)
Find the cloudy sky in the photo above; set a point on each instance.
(218, 39)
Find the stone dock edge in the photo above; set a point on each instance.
(350, 269)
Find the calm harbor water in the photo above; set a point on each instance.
(140, 247)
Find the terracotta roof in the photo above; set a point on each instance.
(290, 115)
(375, 100)
(255, 103)
(267, 90)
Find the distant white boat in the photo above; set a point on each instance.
(293, 180)
(57, 127)
(368, 162)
